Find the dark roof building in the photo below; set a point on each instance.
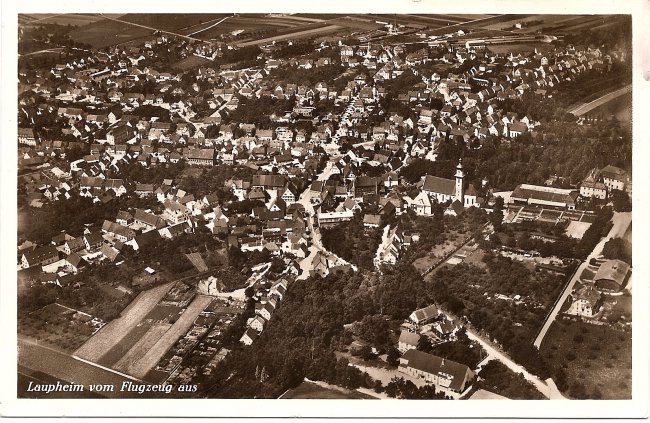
(612, 275)
(544, 196)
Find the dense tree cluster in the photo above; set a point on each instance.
(496, 377)
(621, 201)
(298, 342)
(601, 226)
(352, 242)
(619, 249)
(258, 111)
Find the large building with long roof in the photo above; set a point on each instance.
(525, 194)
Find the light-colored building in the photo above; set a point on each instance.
(446, 375)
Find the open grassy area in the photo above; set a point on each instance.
(107, 32)
(453, 241)
(74, 19)
(192, 62)
(597, 360)
(310, 390)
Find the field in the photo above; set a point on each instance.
(310, 390)
(171, 21)
(113, 355)
(197, 261)
(192, 62)
(424, 263)
(54, 326)
(107, 33)
(141, 347)
(597, 359)
(73, 19)
(61, 366)
(165, 340)
(577, 229)
(113, 332)
(247, 23)
(293, 35)
(355, 23)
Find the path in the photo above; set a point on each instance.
(621, 222)
(494, 354)
(316, 243)
(208, 27)
(587, 107)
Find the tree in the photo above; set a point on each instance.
(393, 356)
(618, 249)
(424, 344)
(621, 201)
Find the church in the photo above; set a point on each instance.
(450, 190)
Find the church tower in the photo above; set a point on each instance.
(460, 196)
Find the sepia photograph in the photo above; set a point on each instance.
(266, 205)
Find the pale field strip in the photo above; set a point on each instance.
(305, 33)
(140, 348)
(140, 368)
(109, 335)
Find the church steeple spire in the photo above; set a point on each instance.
(460, 175)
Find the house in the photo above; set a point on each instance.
(407, 341)
(148, 220)
(371, 221)
(266, 311)
(320, 264)
(124, 218)
(425, 315)
(249, 337)
(93, 241)
(612, 275)
(586, 302)
(201, 156)
(74, 262)
(447, 375)
(171, 232)
(74, 245)
(421, 204)
(517, 129)
(257, 323)
(365, 185)
(27, 136)
(591, 187)
(614, 177)
(40, 256)
(144, 190)
(176, 212)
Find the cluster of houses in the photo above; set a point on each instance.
(446, 375)
(588, 296)
(600, 182)
(264, 310)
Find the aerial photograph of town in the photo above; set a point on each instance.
(324, 206)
